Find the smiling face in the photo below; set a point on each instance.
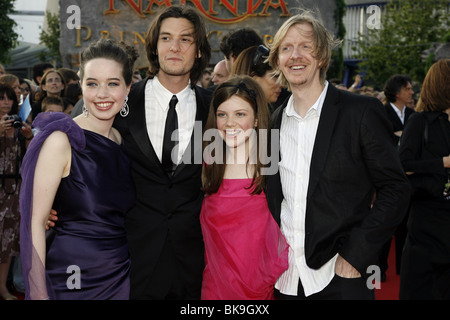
(104, 88)
(177, 50)
(234, 118)
(295, 57)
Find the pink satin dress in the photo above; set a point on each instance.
(244, 247)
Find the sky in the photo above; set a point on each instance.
(29, 26)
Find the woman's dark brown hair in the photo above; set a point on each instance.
(245, 64)
(6, 89)
(108, 49)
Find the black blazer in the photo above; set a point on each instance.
(397, 125)
(167, 208)
(425, 141)
(353, 157)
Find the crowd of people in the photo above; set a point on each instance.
(114, 190)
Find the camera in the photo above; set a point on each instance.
(17, 123)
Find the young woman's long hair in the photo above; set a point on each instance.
(245, 63)
(435, 93)
(249, 90)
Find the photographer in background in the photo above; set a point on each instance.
(14, 137)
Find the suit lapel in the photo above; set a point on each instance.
(328, 116)
(393, 116)
(194, 151)
(137, 123)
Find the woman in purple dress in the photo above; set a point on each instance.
(79, 168)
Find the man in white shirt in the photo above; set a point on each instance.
(336, 151)
(399, 92)
(163, 228)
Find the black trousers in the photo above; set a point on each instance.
(338, 289)
(165, 282)
(399, 241)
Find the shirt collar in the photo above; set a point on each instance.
(164, 96)
(396, 109)
(316, 107)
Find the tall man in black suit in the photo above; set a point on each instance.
(398, 91)
(336, 151)
(163, 228)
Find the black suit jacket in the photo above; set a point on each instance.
(425, 141)
(397, 125)
(167, 208)
(353, 157)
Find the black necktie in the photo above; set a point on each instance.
(168, 144)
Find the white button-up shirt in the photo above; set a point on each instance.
(400, 113)
(157, 99)
(297, 136)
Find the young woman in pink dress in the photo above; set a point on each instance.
(245, 252)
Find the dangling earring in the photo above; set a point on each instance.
(125, 109)
(85, 111)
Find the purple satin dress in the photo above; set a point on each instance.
(87, 251)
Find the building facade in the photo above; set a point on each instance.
(360, 16)
(85, 21)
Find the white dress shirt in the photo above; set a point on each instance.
(157, 100)
(297, 136)
(400, 113)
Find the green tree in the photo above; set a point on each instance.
(408, 28)
(337, 58)
(51, 40)
(8, 36)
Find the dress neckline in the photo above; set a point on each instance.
(102, 137)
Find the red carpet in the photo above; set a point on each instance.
(389, 290)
